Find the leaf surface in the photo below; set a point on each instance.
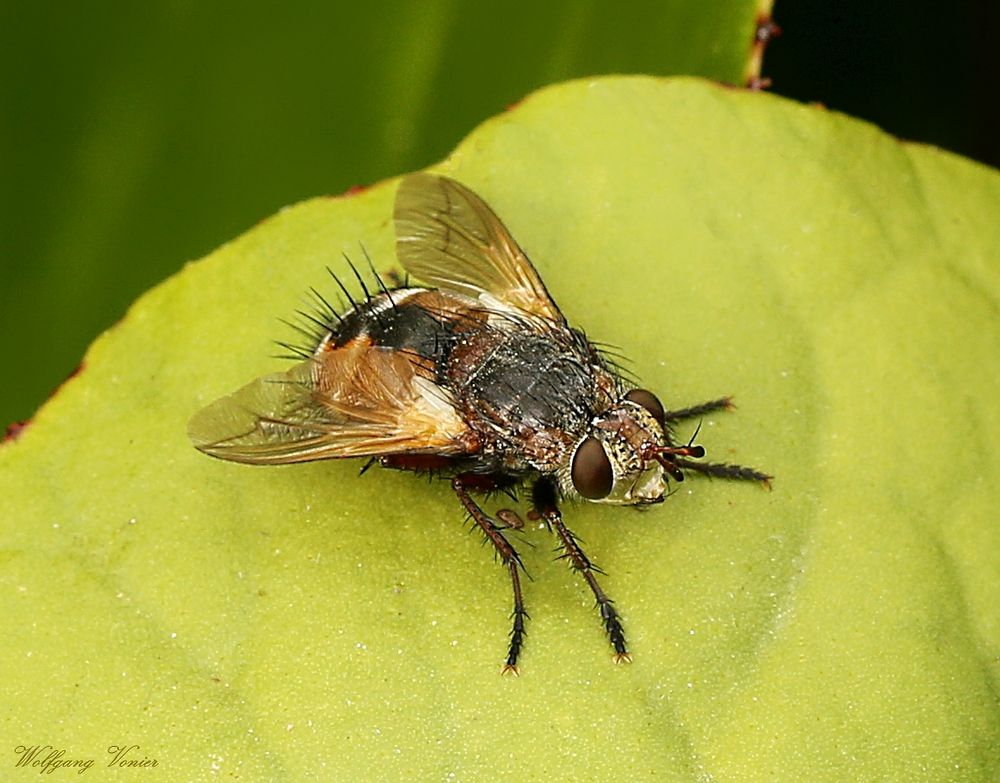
(299, 623)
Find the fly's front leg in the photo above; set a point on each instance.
(721, 404)
(508, 556)
(544, 499)
(714, 469)
(721, 470)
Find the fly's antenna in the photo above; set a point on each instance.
(665, 456)
(695, 435)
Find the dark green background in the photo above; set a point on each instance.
(135, 137)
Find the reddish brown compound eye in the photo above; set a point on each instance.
(591, 471)
(647, 400)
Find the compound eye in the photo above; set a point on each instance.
(647, 400)
(591, 470)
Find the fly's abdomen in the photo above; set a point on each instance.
(402, 321)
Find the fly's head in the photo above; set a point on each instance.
(626, 456)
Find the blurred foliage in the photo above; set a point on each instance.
(136, 136)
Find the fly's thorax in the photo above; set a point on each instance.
(607, 465)
(521, 384)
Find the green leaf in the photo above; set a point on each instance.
(297, 623)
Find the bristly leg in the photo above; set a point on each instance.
(714, 469)
(721, 470)
(721, 404)
(544, 499)
(508, 556)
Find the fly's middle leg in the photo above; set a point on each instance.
(507, 554)
(544, 498)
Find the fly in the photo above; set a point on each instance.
(476, 377)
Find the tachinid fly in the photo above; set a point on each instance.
(477, 378)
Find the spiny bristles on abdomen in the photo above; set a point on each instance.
(320, 319)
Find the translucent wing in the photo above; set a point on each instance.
(355, 401)
(448, 237)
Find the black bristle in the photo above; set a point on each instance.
(342, 288)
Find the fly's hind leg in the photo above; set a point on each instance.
(508, 555)
(544, 499)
